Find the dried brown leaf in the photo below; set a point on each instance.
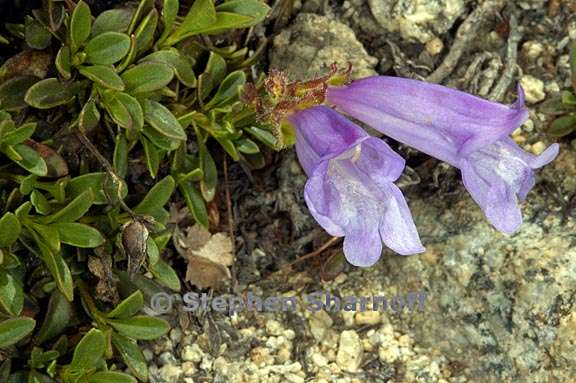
(205, 273)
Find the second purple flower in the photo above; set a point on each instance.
(350, 189)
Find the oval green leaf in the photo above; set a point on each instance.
(107, 48)
(79, 234)
(10, 229)
(48, 93)
(14, 330)
(147, 77)
(104, 76)
(141, 327)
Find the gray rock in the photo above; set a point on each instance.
(417, 20)
(350, 351)
(312, 43)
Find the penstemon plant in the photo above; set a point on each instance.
(350, 190)
(91, 95)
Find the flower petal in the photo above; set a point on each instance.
(362, 244)
(321, 132)
(497, 200)
(397, 227)
(443, 122)
(323, 200)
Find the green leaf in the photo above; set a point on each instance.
(103, 75)
(159, 139)
(112, 20)
(144, 7)
(125, 110)
(89, 116)
(147, 77)
(19, 135)
(107, 48)
(80, 25)
(247, 146)
(79, 235)
(36, 34)
(40, 203)
(59, 270)
(195, 203)
(111, 377)
(120, 159)
(210, 180)
(13, 90)
(145, 31)
(157, 197)
(91, 181)
(48, 93)
(563, 126)
(152, 251)
(141, 327)
(163, 121)
(10, 229)
(57, 317)
(89, 350)
(11, 294)
(181, 66)
(74, 210)
(169, 13)
(47, 235)
(262, 135)
(228, 147)
(28, 158)
(228, 90)
(237, 14)
(213, 74)
(201, 15)
(64, 62)
(166, 275)
(14, 330)
(152, 154)
(128, 307)
(568, 98)
(131, 355)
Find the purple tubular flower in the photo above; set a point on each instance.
(465, 131)
(350, 190)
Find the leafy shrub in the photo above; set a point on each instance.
(86, 97)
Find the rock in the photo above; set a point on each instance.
(538, 147)
(320, 322)
(350, 351)
(192, 353)
(170, 373)
(532, 49)
(188, 368)
(417, 20)
(274, 328)
(176, 335)
(167, 358)
(148, 354)
(367, 318)
(533, 88)
(319, 360)
(312, 43)
(434, 46)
